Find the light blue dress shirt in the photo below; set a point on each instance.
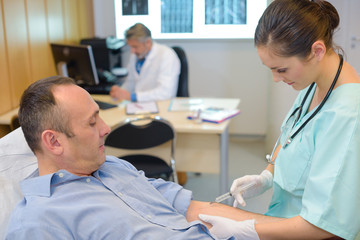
(117, 202)
(317, 175)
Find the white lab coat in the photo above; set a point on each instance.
(159, 75)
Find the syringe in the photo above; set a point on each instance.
(228, 194)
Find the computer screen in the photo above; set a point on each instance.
(75, 61)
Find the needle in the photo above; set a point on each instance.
(228, 194)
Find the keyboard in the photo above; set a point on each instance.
(98, 89)
(105, 105)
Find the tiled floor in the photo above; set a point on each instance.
(246, 156)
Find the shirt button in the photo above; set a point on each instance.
(61, 174)
(120, 194)
(149, 217)
(88, 180)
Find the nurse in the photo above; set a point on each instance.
(314, 168)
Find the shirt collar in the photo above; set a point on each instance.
(36, 185)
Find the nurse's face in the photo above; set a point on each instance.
(140, 49)
(291, 70)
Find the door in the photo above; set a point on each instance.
(353, 43)
(348, 34)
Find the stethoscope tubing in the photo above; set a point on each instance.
(289, 140)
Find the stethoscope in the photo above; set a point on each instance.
(299, 109)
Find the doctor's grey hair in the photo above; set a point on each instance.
(138, 32)
(290, 27)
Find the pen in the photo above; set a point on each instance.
(228, 194)
(138, 106)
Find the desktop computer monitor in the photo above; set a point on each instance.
(77, 62)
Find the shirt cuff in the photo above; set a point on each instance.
(181, 204)
(133, 97)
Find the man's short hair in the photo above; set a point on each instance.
(39, 111)
(138, 32)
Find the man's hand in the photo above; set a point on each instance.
(225, 228)
(119, 93)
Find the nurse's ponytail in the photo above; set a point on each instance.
(290, 27)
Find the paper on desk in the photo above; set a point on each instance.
(216, 115)
(186, 104)
(141, 108)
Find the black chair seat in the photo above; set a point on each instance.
(153, 167)
(146, 132)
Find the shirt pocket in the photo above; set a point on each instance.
(292, 166)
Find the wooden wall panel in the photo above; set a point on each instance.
(5, 92)
(17, 47)
(71, 20)
(86, 19)
(26, 29)
(40, 53)
(55, 22)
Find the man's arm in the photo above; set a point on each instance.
(267, 227)
(218, 209)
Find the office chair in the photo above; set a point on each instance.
(142, 133)
(183, 88)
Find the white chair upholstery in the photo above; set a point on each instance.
(17, 162)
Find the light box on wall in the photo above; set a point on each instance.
(191, 19)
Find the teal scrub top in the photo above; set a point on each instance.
(317, 175)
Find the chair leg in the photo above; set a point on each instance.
(182, 178)
(175, 175)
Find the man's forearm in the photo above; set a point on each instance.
(267, 227)
(218, 209)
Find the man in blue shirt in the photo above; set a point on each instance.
(78, 192)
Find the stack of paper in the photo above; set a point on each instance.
(141, 108)
(216, 115)
(186, 104)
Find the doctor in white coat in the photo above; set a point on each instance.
(153, 69)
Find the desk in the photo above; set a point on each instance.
(199, 147)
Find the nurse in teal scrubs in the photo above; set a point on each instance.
(314, 169)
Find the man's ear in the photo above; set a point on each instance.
(318, 49)
(51, 141)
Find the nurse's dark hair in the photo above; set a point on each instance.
(39, 111)
(290, 27)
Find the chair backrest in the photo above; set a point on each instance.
(183, 86)
(131, 134)
(17, 162)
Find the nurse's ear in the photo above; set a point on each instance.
(318, 50)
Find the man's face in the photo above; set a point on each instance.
(140, 49)
(84, 152)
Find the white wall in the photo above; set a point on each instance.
(229, 68)
(217, 68)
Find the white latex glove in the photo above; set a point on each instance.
(261, 182)
(225, 228)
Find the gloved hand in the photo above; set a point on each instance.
(261, 183)
(225, 228)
